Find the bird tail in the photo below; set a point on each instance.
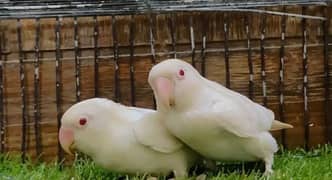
(277, 125)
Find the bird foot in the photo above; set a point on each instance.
(201, 177)
(268, 172)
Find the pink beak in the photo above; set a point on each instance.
(66, 139)
(164, 90)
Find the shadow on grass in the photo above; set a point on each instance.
(230, 168)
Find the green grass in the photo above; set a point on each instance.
(297, 164)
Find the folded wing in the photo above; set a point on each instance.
(150, 132)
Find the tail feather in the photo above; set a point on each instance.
(277, 125)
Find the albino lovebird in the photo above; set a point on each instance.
(124, 139)
(216, 122)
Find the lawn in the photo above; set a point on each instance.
(296, 164)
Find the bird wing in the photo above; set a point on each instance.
(235, 112)
(236, 119)
(150, 132)
(264, 112)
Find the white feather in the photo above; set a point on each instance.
(127, 139)
(217, 122)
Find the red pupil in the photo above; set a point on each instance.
(82, 121)
(181, 72)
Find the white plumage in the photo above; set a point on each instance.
(124, 139)
(217, 122)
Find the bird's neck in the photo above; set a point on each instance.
(188, 100)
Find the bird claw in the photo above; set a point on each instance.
(268, 172)
(201, 177)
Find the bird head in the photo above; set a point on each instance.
(83, 124)
(173, 82)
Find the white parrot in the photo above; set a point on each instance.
(124, 139)
(216, 122)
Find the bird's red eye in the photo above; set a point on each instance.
(181, 72)
(82, 121)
